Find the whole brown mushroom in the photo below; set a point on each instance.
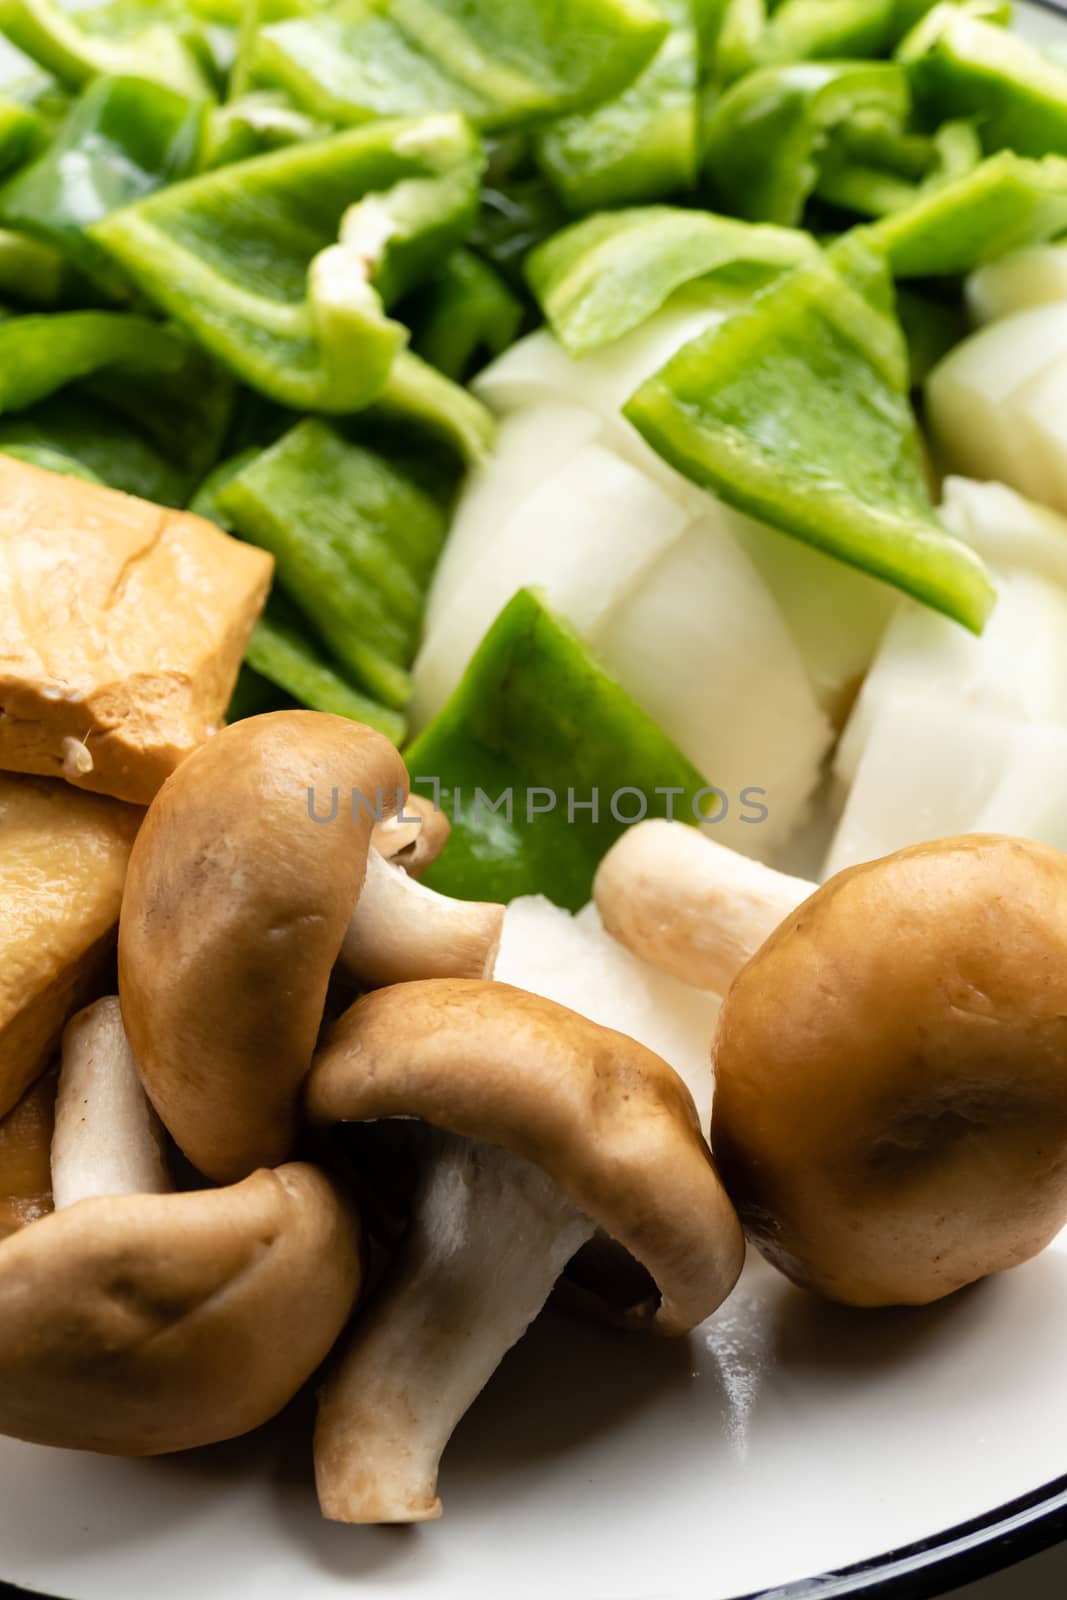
(252, 877)
(891, 1106)
(140, 1323)
(547, 1128)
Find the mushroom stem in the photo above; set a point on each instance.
(401, 930)
(107, 1139)
(690, 906)
(490, 1235)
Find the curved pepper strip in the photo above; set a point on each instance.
(538, 717)
(64, 45)
(246, 258)
(1004, 204)
(75, 426)
(765, 138)
(500, 65)
(123, 139)
(464, 316)
(963, 66)
(643, 143)
(355, 543)
(795, 410)
(599, 278)
(858, 176)
(40, 354)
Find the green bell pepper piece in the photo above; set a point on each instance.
(76, 426)
(464, 317)
(765, 138)
(40, 354)
(282, 651)
(500, 62)
(246, 258)
(355, 544)
(1005, 204)
(963, 66)
(254, 124)
(20, 131)
(30, 272)
(538, 717)
(123, 139)
(599, 278)
(644, 143)
(858, 176)
(796, 411)
(417, 395)
(49, 460)
(740, 27)
(133, 41)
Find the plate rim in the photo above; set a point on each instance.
(930, 1567)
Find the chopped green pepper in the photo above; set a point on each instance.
(536, 729)
(149, 46)
(49, 460)
(416, 393)
(859, 176)
(642, 144)
(765, 138)
(123, 139)
(73, 425)
(355, 544)
(501, 62)
(252, 125)
(30, 272)
(1004, 204)
(464, 316)
(599, 278)
(282, 651)
(795, 410)
(963, 66)
(40, 354)
(20, 130)
(245, 257)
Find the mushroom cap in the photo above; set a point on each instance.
(236, 905)
(144, 1324)
(608, 1119)
(891, 1103)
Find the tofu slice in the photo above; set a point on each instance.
(63, 858)
(26, 1156)
(122, 628)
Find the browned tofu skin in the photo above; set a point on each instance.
(122, 628)
(26, 1156)
(63, 859)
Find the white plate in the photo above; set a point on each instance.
(784, 1439)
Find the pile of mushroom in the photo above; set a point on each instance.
(345, 1068)
(891, 1057)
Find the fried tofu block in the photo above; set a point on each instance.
(122, 627)
(26, 1156)
(63, 858)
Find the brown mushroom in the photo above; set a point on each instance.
(138, 1324)
(251, 876)
(25, 1157)
(548, 1127)
(688, 905)
(891, 1106)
